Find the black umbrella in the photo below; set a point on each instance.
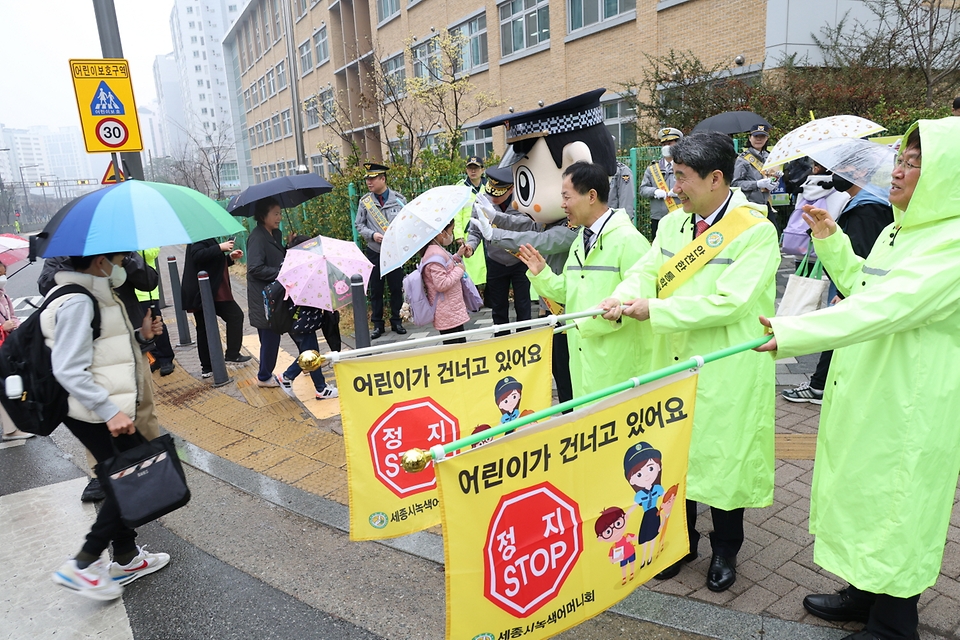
(731, 122)
(289, 191)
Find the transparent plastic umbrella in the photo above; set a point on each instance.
(790, 146)
(866, 164)
(420, 221)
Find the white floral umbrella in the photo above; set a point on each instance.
(420, 221)
(790, 146)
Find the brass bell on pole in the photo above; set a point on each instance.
(310, 360)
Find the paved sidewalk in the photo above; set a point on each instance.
(267, 432)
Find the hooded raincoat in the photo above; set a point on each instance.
(888, 449)
(602, 353)
(731, 448)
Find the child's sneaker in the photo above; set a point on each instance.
(803, 393)
(93, 582)
(144, 564)
(329, 391)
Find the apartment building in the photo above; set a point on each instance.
(523, 52)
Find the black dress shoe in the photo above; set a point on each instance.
(237, 358)
(848, 604)
(673, 570)
(376, 333)
(398, 329)
(866, 635)
(93, 492)
(722, 573)
(167, 368)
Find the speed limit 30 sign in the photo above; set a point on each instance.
(112, 133)
(108, 111)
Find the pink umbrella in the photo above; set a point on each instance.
(13, 248)
(317, 272)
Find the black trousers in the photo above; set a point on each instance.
(497, 292)
(561, 367)
(894, 618)
(395, 280)
(460, 340)
(108, 526)
(727, 536)
(231, 313)
(162, 350)
(819, 378)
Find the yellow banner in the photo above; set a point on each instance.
(395, 402)
(552, 525)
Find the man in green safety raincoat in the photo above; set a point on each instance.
(602, 353)
(712, 267)
(888, 448)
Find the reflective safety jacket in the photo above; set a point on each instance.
(731, 450)
(888, 448)
(602, 353)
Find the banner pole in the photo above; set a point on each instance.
(415, 460)
(337, 356)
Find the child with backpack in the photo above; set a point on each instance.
(441, 279)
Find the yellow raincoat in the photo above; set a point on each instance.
(888, 449)
(602, 353)
(731, 449)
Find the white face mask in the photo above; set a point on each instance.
(3, 281)
(117, 275)
(666, 151)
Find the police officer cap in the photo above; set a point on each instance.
(637, 454)
(572, 114)
(505, 386)
(760, 130)
(669, 133)
(373, 169)
(475, 161)
(499, 180)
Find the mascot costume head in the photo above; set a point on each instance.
(543, 142)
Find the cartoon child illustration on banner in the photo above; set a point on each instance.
(612, 526)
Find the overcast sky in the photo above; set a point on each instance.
(40, 36)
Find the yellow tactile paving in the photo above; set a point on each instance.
(325, 481)
(334, 455)
(796, 446)
(294, 468)
(313, 443)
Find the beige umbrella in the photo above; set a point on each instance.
(790, 146)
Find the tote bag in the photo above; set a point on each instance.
(147, 481)
(803, 294)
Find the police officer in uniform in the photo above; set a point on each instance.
(659, 175)
(377, 210)
(475, 178)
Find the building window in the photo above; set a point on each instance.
(317, 162)
(246, 30)
(246, 100)
(265, 14)
(256, 176)
(474, 37)
(241, 50)
(306, 58)
(189, 9)
(232, 8)
(327, 106)
(203, 97)
(193, 39)
(301, 8)
(199, 83)
(426, 60)
(275, 121)
(267, 133)
(394, 75)
(192, 25)
(399, 150)
(387, 9)
(583, 13)
(477, 142)
(259, 128)
(313, 115)
(271, 82)
(204, 111)
(263, 89)
(321, 46)
(252, 137)
(197, 68)
(291, 167)
(256, 35)
(273, 170)
(287, 125)
(619, 118)
(196, 54)
(523, 24)
(276, 18)
(281, 75)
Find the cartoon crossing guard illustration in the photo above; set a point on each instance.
(507, 394)
(643, 467)
(611, 526)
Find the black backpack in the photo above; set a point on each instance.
(43, 404)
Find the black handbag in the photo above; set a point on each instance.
(147, 480)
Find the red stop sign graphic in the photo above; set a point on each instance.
(418, 423)
(532, 545)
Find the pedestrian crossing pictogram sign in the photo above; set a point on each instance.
(108, 111)
(110, 175)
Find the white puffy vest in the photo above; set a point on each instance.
(116, 354)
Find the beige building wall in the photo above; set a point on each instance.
(572, 62)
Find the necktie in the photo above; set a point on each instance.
(701, 227)
(587, 235)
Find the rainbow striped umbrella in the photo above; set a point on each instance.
(133, 215)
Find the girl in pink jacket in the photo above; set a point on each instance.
(442, 282)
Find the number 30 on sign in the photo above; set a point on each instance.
(112, 132)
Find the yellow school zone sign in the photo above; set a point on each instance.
(108, 111)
